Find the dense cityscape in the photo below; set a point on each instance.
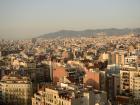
(69, 52)
(99, 70)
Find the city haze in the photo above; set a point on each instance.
(23, 19)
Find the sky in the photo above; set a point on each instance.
(23, 19)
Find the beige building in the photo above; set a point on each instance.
(68, 95)
(104, 57)
(120, 58)
(116, 57)
(137, 87)
(130, 59)
(130, 82)
(15, 90)
(57, 96)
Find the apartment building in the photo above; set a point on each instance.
(130, 83)
(69, 94)
(15, 90)
(130, 59)
(53, 95)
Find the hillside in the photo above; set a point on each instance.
(88, 33)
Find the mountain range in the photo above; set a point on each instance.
(90, 33)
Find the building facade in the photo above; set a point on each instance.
(15, 90)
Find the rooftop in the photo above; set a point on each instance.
(15, 80)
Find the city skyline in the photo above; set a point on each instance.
(26, 19)
(69, 52)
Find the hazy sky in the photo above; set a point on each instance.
(29, 18)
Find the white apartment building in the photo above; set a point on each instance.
(130, 82)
